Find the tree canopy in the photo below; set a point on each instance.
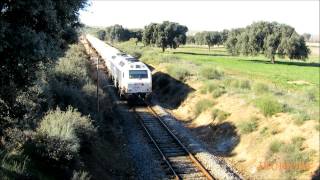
(210, 38)
(166, 34)
(32, 33)
(269, 39)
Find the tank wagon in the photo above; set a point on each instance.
(130, 76)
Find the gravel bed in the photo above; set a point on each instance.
(218, 167)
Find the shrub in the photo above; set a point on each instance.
(209, 86)
(219, 114)
(179, 73)
(81, 175)
(248, 126)
(202, 105)
(14, 165)
(300, 118)
(275, 146)
(264, 131)
(260, 88)
(218, 92)
(245, 84)
(312, 94)
(268, 106)
(61, 134)
(211, 73)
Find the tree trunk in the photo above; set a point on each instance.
(163, 48)
(272, 59)
(209, 47)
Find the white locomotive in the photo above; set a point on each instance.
(129, 75)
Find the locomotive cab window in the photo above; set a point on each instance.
(138, 74)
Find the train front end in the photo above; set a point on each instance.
(139, 80)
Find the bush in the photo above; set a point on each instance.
(218, 92)
(312, 94)
(82, 175)
(219, 114)
(268, 106)
(300, 118)
(61, 134)
(202, 105)
(245, 84)
(248, 126)
(211, 73)
(275, 146)
(209, 86)
(260, 88)
(178, 72)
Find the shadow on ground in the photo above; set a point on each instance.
(292, 63)
(316, 174)
(169, 91)
(199, 54)
(222, 138)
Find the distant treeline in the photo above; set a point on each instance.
(166, 34)
(268, 38)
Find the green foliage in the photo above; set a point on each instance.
(260, 88)
(218, 92)
(268, 38)
(13, 165)
(219, 114)
(82, 175)
(275, 146)
(166, 34)
(178, 73)
(211, 73)
(247, 127)
(202, 105)
(300, 118)
(268, 105)
(245, 84)
(32, 41)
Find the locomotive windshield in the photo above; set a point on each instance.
(138, 74)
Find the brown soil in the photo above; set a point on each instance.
(246, 151)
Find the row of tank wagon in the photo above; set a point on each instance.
(130, 76)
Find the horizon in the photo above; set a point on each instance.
(189, 12)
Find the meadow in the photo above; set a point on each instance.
(262, 100)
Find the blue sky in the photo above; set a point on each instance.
(203, 15)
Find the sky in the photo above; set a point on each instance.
(203, 15)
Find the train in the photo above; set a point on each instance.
(130, 76)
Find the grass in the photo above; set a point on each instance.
(202, 105)
(260, 88)
(300, 118)
(219, 114)
(211, 73)
(257, 66)
(268, 105)
(218, 92)
(291, 153)
(247, 127)
(179, 73)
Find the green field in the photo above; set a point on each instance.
(257, 67)
(249, 67)
(295, 84)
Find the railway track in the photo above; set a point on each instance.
(178, 161)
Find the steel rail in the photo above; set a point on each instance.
(191, 156)
(156, 145)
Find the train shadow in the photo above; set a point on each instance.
(222, 138)
(169, 91)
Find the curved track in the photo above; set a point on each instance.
(178, 161)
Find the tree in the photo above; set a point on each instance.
(191, 40)
(32, 33)
(306, 36)
(268, 38)
(166, 34)
(101, 34)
